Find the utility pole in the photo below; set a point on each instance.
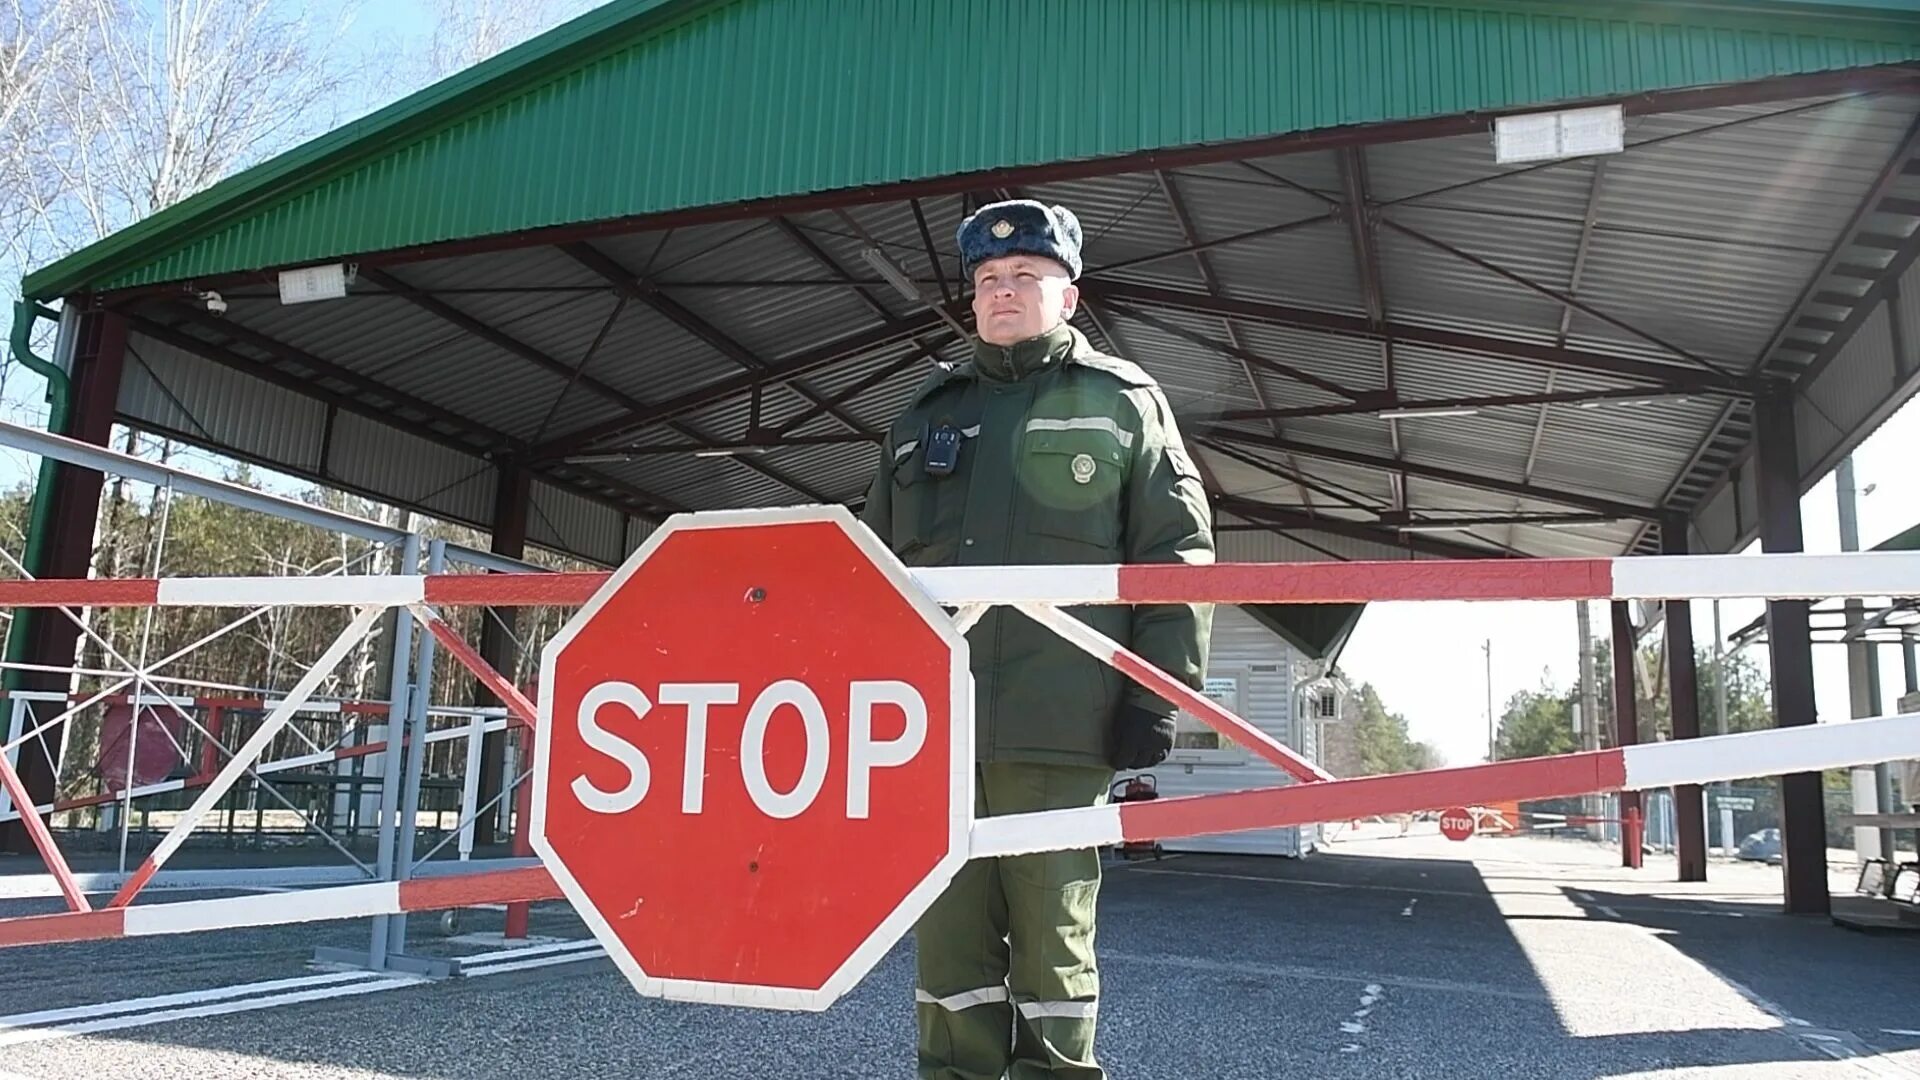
(1863, 679)
(1587, 715)
(1720, 727)
(1487, 647)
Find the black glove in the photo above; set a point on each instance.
(1141, 738)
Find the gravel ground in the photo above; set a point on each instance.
(1382, 958)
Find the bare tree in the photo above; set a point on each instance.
(175, 95)
(465, 32)
(39, 40)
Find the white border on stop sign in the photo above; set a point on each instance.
(960, 753)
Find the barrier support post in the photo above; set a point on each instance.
(1631, 838)
(470, 784)
(390, 776)
(415, 749)
(518, 913)
(1626, 720)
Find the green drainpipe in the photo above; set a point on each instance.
(60, 402)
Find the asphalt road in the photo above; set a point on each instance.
(1383, 958)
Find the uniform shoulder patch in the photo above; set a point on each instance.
(1126, 371)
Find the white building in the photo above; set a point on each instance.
(1258, 674)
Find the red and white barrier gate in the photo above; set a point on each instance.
(758, 701)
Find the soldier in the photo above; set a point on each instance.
(1038, 450)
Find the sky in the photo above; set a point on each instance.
(1425, 659)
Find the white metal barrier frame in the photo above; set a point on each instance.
(1040, 592)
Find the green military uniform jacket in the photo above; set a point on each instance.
(1067, 456)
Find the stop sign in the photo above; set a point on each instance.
(754, 764)
(1456, 823)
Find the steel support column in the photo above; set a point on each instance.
(99, 353)
(497, 632)
(1683, 697)
(1803, 817)
(1626, 717)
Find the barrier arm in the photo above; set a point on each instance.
(1040, 590)
(362, 623)
(1774, 752)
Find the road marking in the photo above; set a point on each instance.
(539, 956)
(218, 1008)
(511, 954)
(1358, 1024)
(49, 1024)
(1408, 913)
(1609, 912)
(1900, 1031)
(1300, 881)
(192, 997)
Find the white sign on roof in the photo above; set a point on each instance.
(1567, 134)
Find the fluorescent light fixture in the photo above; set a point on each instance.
(894, 276)
(1433, 528)
(1568, 133)
(1576, 524)
(1617, 401)
(311, 283)
(1417, 413)
(728, 451)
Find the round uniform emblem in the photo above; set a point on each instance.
(1082, 468)
(1002, 229)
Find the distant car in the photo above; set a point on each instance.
(1762, 846)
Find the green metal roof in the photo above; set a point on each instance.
(646, 106)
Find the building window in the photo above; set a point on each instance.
(1193, 733)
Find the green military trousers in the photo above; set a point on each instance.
(1007, 982)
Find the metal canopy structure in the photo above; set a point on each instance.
(694, 254)
(1376, 337)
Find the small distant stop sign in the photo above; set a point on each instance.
(754, 760)
(1456, 823)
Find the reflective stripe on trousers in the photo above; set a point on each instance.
(1032, 1010)
(964, 1000)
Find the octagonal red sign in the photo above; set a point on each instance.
(754, 759)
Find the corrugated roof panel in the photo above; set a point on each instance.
(769, 323)
(1368, 487)
(417, 352)
(1352, 363)
(566, 522)
(1309, 266)
(178, 391)
(1698, 297)
(1262, 545)
(1856, 382)
(1194, 378)
(894, 230)
(648, 357)
(370, 456)
(1462, 173)
(1427, 285)
(878, 92)
(526, 269)
(1422, 372)
(1792, 179)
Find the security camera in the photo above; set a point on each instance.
(215, 305)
